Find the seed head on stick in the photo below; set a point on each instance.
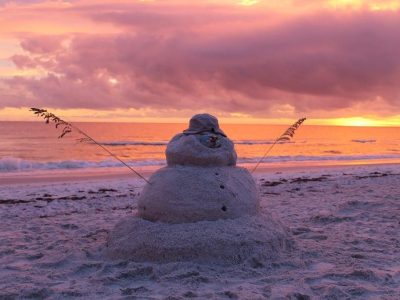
(286, 136)
(68, 127)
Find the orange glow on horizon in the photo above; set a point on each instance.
(149, 116)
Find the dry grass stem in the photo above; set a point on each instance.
(285, 137)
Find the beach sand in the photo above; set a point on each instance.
(345, 222)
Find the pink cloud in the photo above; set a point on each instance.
(197, 59)
(43, 45)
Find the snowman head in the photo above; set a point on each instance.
(202, 144)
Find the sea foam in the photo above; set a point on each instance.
(13, 164)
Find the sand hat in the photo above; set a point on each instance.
(203, 123)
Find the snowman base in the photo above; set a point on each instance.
(227, 241)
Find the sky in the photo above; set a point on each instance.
(335, 62)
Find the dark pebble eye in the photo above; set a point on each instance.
(223, 208)
(222, 186)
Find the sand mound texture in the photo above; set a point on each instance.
(256, 238)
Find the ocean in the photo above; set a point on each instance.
(34, 146)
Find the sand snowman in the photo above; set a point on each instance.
(201, 207)
(201, 181)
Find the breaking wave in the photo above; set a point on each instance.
(305, 158)
(135, 143)
(259, 142)
(12, 164)
(164, 143)
(364, 141)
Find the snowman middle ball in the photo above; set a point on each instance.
(182, 194)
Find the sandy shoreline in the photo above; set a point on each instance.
(121, 173)
(345, 221)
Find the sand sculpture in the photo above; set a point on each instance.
(200, 207)
(201, 181)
